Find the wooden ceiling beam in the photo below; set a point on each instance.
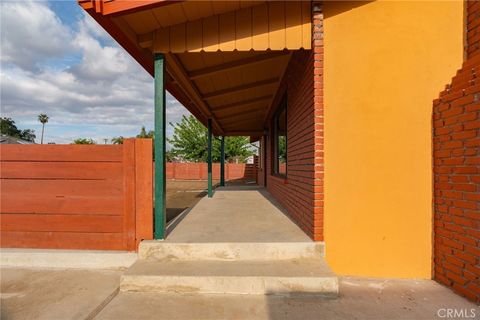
(240, 109)
(239, 121)
(241, 113)
(243, 87)
(247, 116)
(270, 108)
(195, 74)
(176, 70)
(145, 40)
(242, 103)
(248, 133)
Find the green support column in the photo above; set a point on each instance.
(210, 192)
(159, 145)
(222, 161)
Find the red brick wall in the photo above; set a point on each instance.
(456, 142)
(301, 193)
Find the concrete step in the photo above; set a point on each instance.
(295, 276)
(229, 251)
(58, 258)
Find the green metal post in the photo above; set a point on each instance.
(222, 161)
(210, 192)
(159, 145)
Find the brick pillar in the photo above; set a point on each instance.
(456, 156)
(317, 46)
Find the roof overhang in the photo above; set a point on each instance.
(224, 59)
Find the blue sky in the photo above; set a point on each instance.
(57, 60)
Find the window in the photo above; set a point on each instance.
(280, 139)
(260, 153)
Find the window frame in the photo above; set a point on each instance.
(283, 105)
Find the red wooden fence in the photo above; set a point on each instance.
(198, 171)
(76, 196)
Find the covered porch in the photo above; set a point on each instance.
(225, 62)
(236, 214)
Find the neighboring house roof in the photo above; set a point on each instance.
(5, 139)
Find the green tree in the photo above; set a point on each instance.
(117, 140)
(28, 134)
(282, 149)
(84, 141)
(143, 134)
(169, 156)
(150, 135)
(189, 142)
(43, 118)
(8, 127)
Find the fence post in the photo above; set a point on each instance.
(143, 190)
(129, 193)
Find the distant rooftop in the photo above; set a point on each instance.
(6, 139)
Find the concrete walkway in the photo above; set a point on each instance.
(52, 294)
(237, 214)
(359, 299)
(82, 294)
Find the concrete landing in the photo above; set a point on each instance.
(229, 251)
(58, 258)
(297, 276)
(237, 214)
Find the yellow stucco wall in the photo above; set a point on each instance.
(385, 61)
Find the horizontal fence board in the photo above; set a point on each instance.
(62, 188)
(198, 171)
(49, 204)
(61, 170)
(62, 240)
(60, 223)
(61, 153)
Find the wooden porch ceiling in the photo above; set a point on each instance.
(234, 88)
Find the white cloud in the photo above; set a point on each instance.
(34, 24)
(99, 63)
(104, 91)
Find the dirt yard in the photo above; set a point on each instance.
(182, 194)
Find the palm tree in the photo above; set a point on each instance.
(43, 118)
(144, 134)
(117, 140)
